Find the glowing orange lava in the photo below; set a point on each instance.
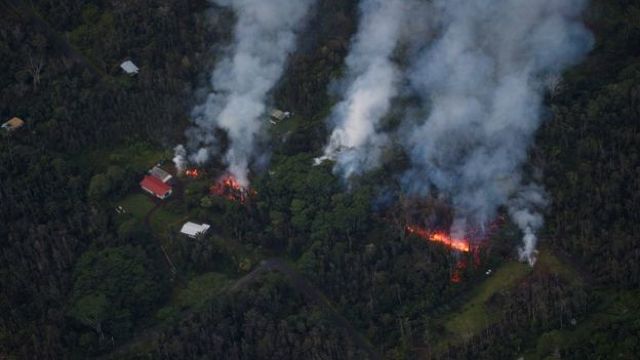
(478, 235)
(229, 188)
(441, 237)
(193, 173)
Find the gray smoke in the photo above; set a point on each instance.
(371, 82)
(524, 209)
(265, 34)
(482, 81)
(179, 158)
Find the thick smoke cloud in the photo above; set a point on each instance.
(265, 34)
(370, 84)
(483, 80)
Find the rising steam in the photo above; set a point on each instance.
(265, 34)
(483, 80)
(371, 82)
(481, 73)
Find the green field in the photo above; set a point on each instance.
(163, 219)
(474, 316)
(200, 290)
(138, 205)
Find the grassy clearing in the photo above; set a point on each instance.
(163, 219)
(137, 205)
(240, 258)
(200, 290)
(474, 316)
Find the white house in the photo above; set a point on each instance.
(192, 230)
(130, 68)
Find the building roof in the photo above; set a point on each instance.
(129, 67)
(13, 124)
(160, 174)
(279, 114)
(155, 186)
(193, 229)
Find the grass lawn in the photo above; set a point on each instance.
(163, 219)
(474, 316)
(137, 205)
(468, 320)
(200, 290)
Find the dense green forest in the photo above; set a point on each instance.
(306, 267)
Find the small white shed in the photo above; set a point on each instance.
(192, 230)
(130, 68)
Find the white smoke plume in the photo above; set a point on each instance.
(372, 81)
(265, 34)
(179, 158)
(523, 209)
(482, 82)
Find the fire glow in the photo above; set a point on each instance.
(461, 245)
(192, 173)
(456, 275)
(229, 188)
(441, 237)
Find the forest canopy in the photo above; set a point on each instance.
(303, 264)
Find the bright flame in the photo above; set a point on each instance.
(229, 188)
(442, 238)
(194, 173)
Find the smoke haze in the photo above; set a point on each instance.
(482, 82)
(481, 71)
(371, 82)
(264, 35)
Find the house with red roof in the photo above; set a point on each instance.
(156, 187)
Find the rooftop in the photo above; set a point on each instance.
(155, 185)
(129, 67)
(13, 124)
(192, 229)
(279, 114)
(160, 174)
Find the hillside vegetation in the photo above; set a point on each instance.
(92, 267)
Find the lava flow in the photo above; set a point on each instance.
(442, 238)
(229, 188)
